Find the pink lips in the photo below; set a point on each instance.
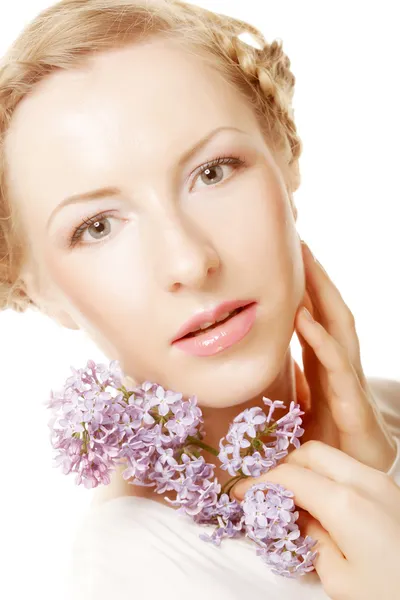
(223, 335)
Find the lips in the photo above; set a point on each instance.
(209, 326)
(209, 319)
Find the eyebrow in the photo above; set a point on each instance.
(111, 191)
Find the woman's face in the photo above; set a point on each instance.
(172, 239)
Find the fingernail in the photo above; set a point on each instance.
(308, 315)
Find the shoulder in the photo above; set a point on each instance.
(386, 393)
(117, 487)
(116, 521)
(121, 517)
(387, 387)
(117, 544)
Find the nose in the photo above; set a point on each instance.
(185, 257)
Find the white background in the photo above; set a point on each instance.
(345, 58)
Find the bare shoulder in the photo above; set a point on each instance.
(119, 487)
(386, 394)
(388, 389)
(115, 489)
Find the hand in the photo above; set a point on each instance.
(353, 511)
(343, 412)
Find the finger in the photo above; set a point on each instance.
(329, 558)
(342, 468)
(323, 498)
(319, 425)
(312, 369)
(334, 313)
(308, 303)
(310, 361)
(359, 427)
(351, 411)
(308, 357)
(317, 418)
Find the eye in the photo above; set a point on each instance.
(97, 226)
(212, 172)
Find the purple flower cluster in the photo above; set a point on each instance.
(99, 423)
(255, 442)
(270, 521)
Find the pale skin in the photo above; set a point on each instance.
(351, 507)
(168, 251)
(353, 511)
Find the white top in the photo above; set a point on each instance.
(133, 548)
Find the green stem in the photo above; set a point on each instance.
(202, 445)
(125, 393)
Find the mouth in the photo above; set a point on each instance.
(217, 330)
(210, 326)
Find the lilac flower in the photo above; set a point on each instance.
(288, 426)
(227, 514)
(228, 529)
(98, 423)
(230, 458)
(164, 471)
(195, 490)
(255, 464)
(279, 507)
(166, 400)
(290, 564)
(250, 421)
(179, 423)
(263, 510)
(273, 405)
(270, 522)
(84, 416)
(286, 541)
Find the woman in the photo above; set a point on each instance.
(150, 161)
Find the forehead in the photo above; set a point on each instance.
(129, 105)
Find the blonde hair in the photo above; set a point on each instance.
(66, 34)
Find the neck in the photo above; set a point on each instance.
(216, 424)
(217, 420)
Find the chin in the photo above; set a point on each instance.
(237, 382)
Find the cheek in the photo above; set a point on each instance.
(256, 237)
(106, 286)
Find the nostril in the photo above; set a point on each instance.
(175, 287)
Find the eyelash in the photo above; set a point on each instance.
(78, 232)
